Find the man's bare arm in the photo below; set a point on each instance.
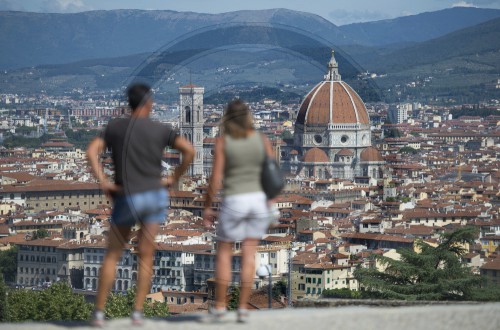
(94, 151)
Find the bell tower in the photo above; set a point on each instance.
(191, 122)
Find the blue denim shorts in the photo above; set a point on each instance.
(144, 207)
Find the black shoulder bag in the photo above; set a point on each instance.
(271, 178)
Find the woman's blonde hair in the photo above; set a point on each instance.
(237, 119)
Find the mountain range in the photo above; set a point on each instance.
(417, 28)
(98, 49)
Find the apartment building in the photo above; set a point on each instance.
(38, 262)
(40, 195)
(310, 280)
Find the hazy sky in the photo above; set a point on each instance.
(338, 11)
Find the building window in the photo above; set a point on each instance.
(188, 114)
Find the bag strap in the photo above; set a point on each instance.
(263, 145)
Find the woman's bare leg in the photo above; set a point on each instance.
(222, 272)
(247, 270)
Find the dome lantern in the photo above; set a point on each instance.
(333, 70)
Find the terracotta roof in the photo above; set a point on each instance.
(18, 176)
(13, 239)
(179, 193)
(4, 229)
(50, 185)
(340, 256)
(182, 247)
(315, 155)
(345, 152)
(184, 233)
(45, 242)
(260, 300)
(492, 265)
(57, 144)
(332, 102)
(371, 154)
(378, 237)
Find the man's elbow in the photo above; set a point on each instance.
(90, 152)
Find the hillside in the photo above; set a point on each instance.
(45, 38)
(417, 28)
(473, 42)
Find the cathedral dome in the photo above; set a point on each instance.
(332, 101)
(315, 155)
(371, 154)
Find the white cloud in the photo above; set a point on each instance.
(342, 16)
(64, 6)
(10, 5)
(463, 4)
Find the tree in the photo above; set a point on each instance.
(407, 150)
(58, 302)
(234, 298)
(436, 273)
(279, 289)
(390, 131)
(343, 293)
(8, 264)
(55, 303)
(120, 305)
(40, 233)
(3, 300)
(21, 306)
(286, 135)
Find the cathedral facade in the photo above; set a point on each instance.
(332, 137)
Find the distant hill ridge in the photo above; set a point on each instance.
(63, 38)
(45, 38)
(472, 41)
(417, 28)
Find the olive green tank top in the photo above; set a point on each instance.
(243, 164)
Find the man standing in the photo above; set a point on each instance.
(138, 193)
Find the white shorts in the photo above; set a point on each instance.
(243, 216)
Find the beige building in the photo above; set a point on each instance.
(7, 208)
(309, 281)
(40, 195)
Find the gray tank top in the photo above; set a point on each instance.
(243, 164)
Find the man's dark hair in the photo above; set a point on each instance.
(137, 94)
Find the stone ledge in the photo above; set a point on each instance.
(442, 317)
(339, 302)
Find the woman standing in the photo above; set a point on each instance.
(244, 214)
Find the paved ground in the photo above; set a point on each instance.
(452, 317)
